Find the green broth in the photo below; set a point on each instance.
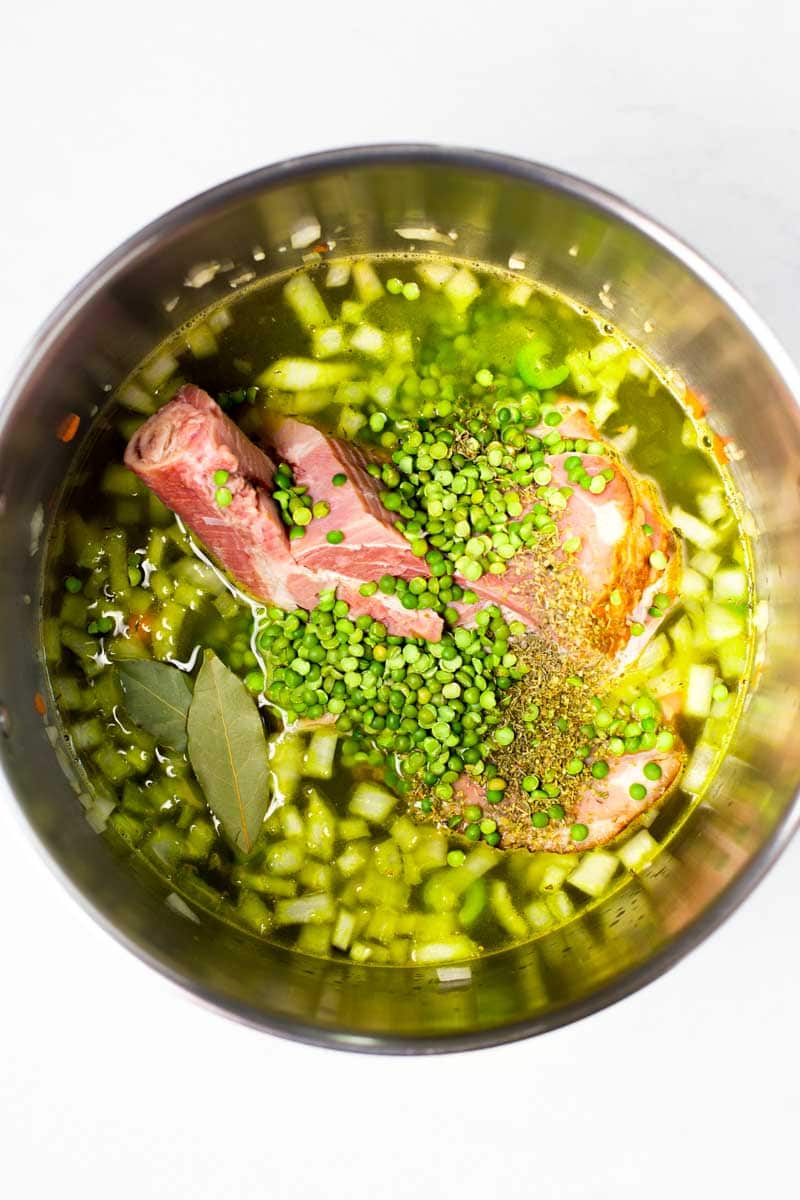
(125, 581)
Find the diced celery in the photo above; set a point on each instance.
(733, 658)
(291, 822)
(699, 683)
(382, 925)
(344, 929)
(474, 902)
(353, 859)
(305, 301)
(461, 289)
(682, 634)
(327, 341)
(113, 763)
(699, 767)
(560, 905)
(547, 872)
(693, 529)
(164, 846)
(407, 924)
(198, 574)
(120, 649)
(107, 694)
(383, 889)
(519, 293)
(688, 434)
(504, 911)
(713, 505)
(360, 952)
(451, 949)
(436, 274)
(353, 828)
(117, 480)
(166, 630)
(654, 653)
(253, 913)
(321, 753)
(371, 801)
(305, 374)
(84, 647)
(226, 605)
(637, 850)
(134, 397)
(666, 683)
(68, 693)
(139, 800)
(399, 952)
(321, 826)
(350, 422)
(693, 583)
(51, 640)
(387, 858)
(199, 840)
(269, 885)
(188, 596)
(367, 282)
(594, 872)
(88, 735)
(314, 939)
(286, 765)
(156, 545)
(316, 908)
(197, 890)
(538, 915)
(625, 441)
(405, 833)
(286, 857)
(338, 275)
(316, 876)
(402, 346)
(431, 927)
(351, 312)
(480, 860)
(369, 340)
(722, 623)
(730, 584)
(441, 890)
(125, 826)
(431, 850)
(411, 872)
(604, 407)
(706, 562)
(74, 610)
(162, 585)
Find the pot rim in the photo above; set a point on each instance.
(387, 154)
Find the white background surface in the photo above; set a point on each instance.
(111, 1083)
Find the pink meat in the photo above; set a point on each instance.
(176, 453)
(372, 546)
(605, 806)
(613, 559)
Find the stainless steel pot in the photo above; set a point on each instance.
(588, 245)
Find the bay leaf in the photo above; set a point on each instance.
(157, 696)
(228, 751)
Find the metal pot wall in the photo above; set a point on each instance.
(599, 251)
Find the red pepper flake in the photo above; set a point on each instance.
(320, 247)
(39, 704)
(68, 427)
(696, 404)
(718, 445)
